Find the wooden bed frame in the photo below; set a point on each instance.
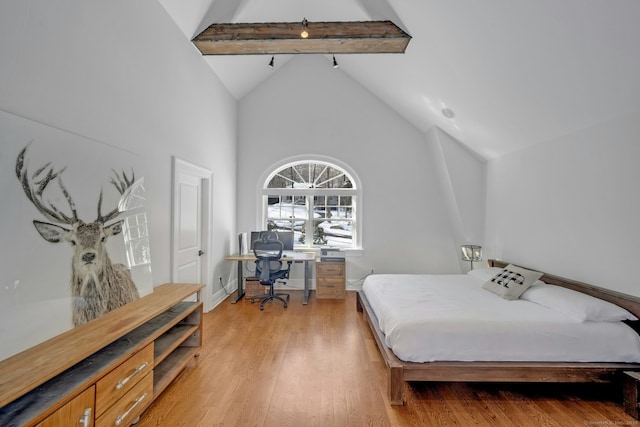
(579, 372)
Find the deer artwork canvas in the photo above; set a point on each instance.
(76, 232)
(97, 285)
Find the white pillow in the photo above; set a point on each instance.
(511, 281)
(580, 306)
(484, 274)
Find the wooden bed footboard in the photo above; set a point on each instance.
(400, 372)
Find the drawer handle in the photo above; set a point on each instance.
(121, 418)
(124, 381)
(86, 418)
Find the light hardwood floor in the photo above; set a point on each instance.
(317, 365)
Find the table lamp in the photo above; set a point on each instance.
(471, 253)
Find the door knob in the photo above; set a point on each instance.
(200, 252)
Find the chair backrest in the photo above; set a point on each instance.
(286, 237)
(268, 251)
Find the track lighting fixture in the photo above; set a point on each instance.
(271, 63)
(304, 34)
(335, 63)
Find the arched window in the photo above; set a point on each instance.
(316, 200)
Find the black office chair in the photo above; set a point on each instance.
(268, 252)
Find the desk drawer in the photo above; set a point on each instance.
(330, 280)
(333, 269)
(118, 382)
(330, 288)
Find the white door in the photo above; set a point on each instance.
(191, 219)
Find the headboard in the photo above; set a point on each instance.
(628, 302)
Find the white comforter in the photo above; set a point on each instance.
(429, 318)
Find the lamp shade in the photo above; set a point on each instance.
(471, 253)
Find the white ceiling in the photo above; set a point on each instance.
(514, 72)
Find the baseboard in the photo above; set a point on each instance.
(219, 296)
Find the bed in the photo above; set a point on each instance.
(574, 348)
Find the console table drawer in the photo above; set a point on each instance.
(119, 381)
(126, 410)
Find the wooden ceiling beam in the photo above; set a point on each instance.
(284, 38)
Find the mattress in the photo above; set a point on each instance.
(428, 318)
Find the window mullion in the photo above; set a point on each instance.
(309, 224)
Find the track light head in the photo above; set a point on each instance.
(271, 63)
(335, 63)
(304, 33)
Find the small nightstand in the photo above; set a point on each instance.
(330, 280)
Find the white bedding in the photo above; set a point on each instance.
(429, 318)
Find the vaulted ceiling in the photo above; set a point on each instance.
(514, 73)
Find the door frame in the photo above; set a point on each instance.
(178, 166)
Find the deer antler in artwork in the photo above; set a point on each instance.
(34, 194)
(122, 184)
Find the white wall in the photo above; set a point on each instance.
(462, 177)
(122, 73)
(571, 206)
(308, 108)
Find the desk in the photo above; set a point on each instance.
(305, 257)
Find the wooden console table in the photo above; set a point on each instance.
(106, 371)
